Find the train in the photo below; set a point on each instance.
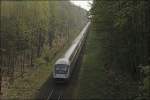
(64, 66)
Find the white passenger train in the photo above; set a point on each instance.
(64, 66)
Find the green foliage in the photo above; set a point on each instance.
(146, 86)
(32, 26)
(123, 30)
(34, 33)
(126, 23)
(146, 81)
(98, 80)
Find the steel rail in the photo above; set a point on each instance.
(49, 96)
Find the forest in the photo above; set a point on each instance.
(115, 60)
(123, 31)
(33, 33)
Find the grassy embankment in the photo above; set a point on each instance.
(29, 85)
(37, 25)
(98, 80)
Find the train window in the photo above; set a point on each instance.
(61, 69)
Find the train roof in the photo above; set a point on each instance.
(70, 50)
(67, 55)
(75, 42)
(62, 61)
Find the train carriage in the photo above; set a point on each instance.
(64, 66)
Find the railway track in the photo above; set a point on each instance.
(58, 90)
(52, 91)
(56, 93)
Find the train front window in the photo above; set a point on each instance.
(61, 69)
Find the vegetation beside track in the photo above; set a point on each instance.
(33, 34)
(99, 81)
(117, 59)
(29, 85)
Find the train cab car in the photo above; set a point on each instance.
(61, 70)
(64, 66)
